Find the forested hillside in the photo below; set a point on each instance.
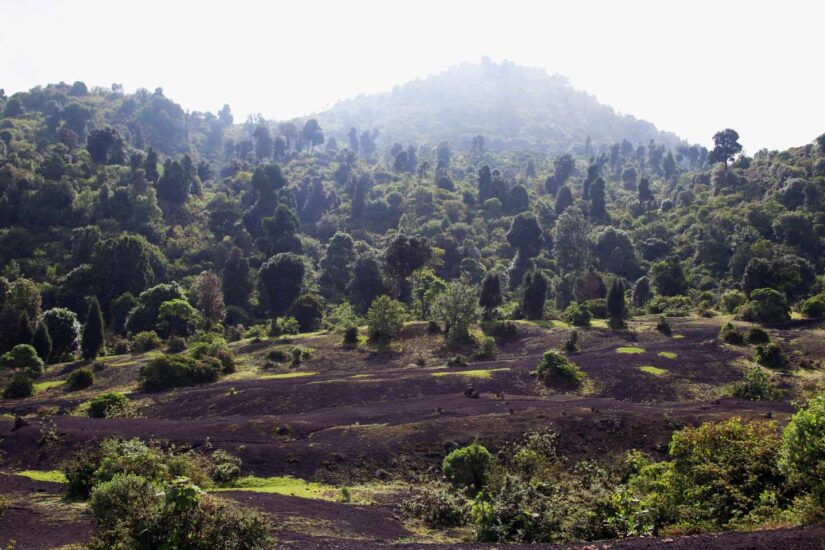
(348, 305)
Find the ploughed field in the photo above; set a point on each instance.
(379, 421)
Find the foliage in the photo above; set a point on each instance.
(467, 467)
(105, 404)
(663, 326)
(770, 355)
(23, 358)
(145, 341)
(766, 305)
(578, 315)
(170, 371)
(803, 449)
(93, 338)
(80, 379)
(437, 507)
(385, 318)
(19, 386)
(557, 369)
(730, 334)
(457, 307)
(757, 386)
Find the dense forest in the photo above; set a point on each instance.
(491, 196)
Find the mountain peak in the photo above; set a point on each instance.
(512, 106)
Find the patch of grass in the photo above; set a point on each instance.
(668, 354)
(598, 323)
(796, 316)
(678, 336)
(360, 376)
(555, 323)
(655, 371)
(475, 373)
(292, 486)
(630, 349)
(47, 385)
(293, 374)
(53, 476)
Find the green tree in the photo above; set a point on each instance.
(616, 310)
(177, 318)
(93, 337)
(802, 456)
(571, 245)
(366, 284)
(668, 277)
(280, 281)
(22, 357)
(236, 280)
(122, 264)
(25, 333)
(64, 330)
(404, 255)
(534, 294)
(209, 299)
(491, 296)
(336, 267)
(468, 467)
(42, 341)
(457, 307)
(385, 318)
(725, 146)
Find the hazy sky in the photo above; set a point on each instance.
(689, 67)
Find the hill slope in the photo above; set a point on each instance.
(512, 106)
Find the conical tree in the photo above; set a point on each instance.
(25, 333)
(42, 341)
(92, 340)
(616, 305)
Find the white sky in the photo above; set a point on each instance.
(689, 67)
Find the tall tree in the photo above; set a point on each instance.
(280, 281)
(571, 246)
(366, 284)
(92, 341)
(615, 304)
(209, 299)
(725, 146)
(42, 341)
(404, 255)
(25, 334)
(534, 294)
(236, 280)
(490, 297)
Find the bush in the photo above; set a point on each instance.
(766, 305)
(284, 325)
(105, 404)
(814, 307)
(145, 341)
(437, 507)
(456, 361)
(385, 318)
(578, 315)
(597, 308)
(486, 349)
(732, 300)
(803, 449)
(278, 355)
(468, 467)
(64, 330)
(770, 355)
(22, 357)
(721, 469)
(571, 345)
(212, 345)
(350, 336)
(672, 306)
(555, 368)
(176, 344)
(171, 371)
(757, 335)
(135, 513)
(226, 467)
(20, 386)
(757, 386)
(80, 379)
(731, 335)
(663, 326)
(504, 330)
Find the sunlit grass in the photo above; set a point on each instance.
(630, 349)
(293, 374)
(296, 487)
(43, 386)
(598, 323)
(668, 354)
(53, 476)
(360, 376)
(655, 371)
(475, 373)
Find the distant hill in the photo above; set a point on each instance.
(512, 106)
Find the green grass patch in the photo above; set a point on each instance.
(49, 384)
(668, 354)
(293, 374)
(53, 476)
(598, 323)
(555, 323)
(630, 350)
(655, 371)
(475, 373)
(360, 376)
(678, 336)
(284, 485)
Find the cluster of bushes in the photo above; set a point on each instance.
(206, 361)
(143, 496)
(719, 475)
(556, 369)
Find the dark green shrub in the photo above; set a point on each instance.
(80, 379)
(486, 349)
(571, 345)
(170, 371)
(503, 330)
(104, 404)
(732, 300)
(814, 307)
(467, 467)
(803, 450)
(226, 468)
(350, 336)
(731, 335)
(20, 386)
(176, 344)
(597, 308)
(433, 327)
(212, 345)
(663, 326)
(457, 361)
(145, 341)
(672, 306)
(757, 335)
(437, 507)
(766, 305)
(757, 386)
(557, 369)
(278, 355)
(770, 355)
(578, 315)
(22, 357)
